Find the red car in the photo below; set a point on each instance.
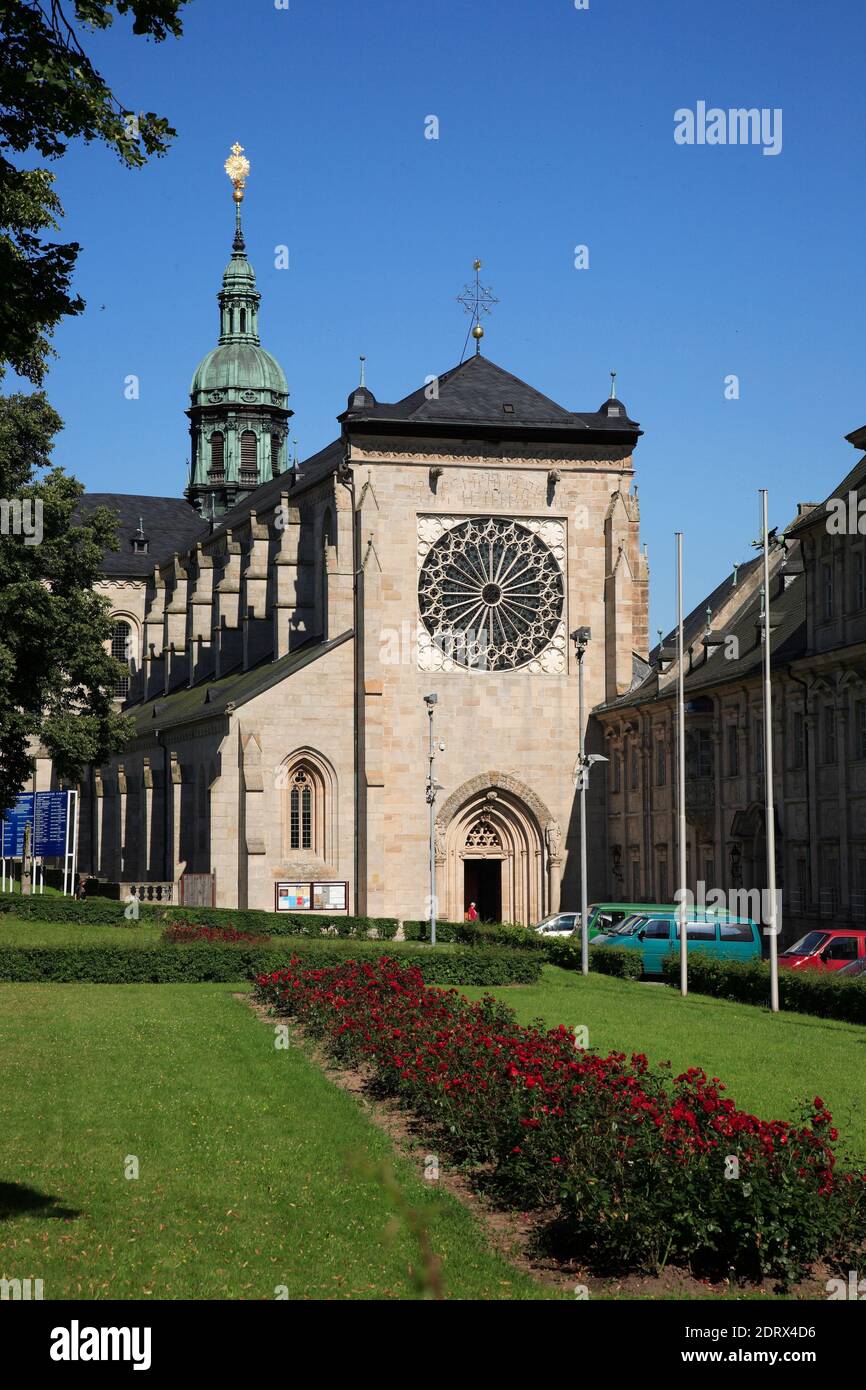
(827, 948)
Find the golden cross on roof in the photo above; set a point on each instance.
(476, 300)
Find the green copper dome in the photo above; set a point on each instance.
(235, 367)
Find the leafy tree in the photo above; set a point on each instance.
(50, 93)
(56, 676)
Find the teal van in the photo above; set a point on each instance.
(607, 917)
(656, 935)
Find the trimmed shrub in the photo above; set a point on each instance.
(604, 960)
(212, 961)
(630, 1165)
(101, 911)
(817, 992)
(477, 934)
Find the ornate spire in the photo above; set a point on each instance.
(237, 166)
(238, 298)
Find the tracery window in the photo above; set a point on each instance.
(301, 810)
(483, 835)
(491, 593)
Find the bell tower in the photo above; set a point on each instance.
(239, 394)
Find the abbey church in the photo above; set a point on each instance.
(283, 623)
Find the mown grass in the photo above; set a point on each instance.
(15, 931)
(770, 1064)
(248, 1159)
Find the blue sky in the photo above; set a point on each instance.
(556, 130)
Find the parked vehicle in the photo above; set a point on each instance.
(826, 948)
(606, 917)
(854, 967)
(655, 933)
(559, 924)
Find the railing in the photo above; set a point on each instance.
(148, 892)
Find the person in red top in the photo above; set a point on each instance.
(472, 914)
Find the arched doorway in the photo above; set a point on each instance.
(492, 850)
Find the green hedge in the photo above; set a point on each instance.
(208, 961)
(99, 911)
(748, 982)
(477, 934)
(604, 960)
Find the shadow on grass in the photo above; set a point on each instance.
(16, 1199)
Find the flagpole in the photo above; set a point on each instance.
(681, 777)
(769, 806)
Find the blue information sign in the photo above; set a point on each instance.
(49, 823)
(47, 813)
(14, 822)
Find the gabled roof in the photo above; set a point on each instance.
(477, 392)
(788, 639)
(170, 524)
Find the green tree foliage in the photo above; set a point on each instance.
(56, 676)
(50, 94)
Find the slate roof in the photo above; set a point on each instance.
(237, 687)
(479, 392)
(850, 483)
(712, 667)
(170, 525)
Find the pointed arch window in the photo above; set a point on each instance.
(308, 809)
(121, 651)
(217, 453)
(301, 811)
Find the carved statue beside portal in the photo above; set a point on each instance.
(439, 840)
(553, 835)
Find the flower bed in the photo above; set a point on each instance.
(179, 934)
(634, 1166)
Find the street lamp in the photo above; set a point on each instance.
(432, 788)
(581, 638)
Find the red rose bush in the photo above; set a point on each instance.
(179, 934)
(636, 1167)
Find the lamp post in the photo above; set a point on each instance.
(681, 779)
(581, 638)
(769, 808)
(432, 788)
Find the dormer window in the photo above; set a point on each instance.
(139, 540)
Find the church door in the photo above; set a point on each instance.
(482, 885)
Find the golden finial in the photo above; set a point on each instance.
(237, 166)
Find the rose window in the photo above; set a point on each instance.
(491, 593)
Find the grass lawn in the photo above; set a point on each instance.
(769, 1064)
(246, 1158)
(16, 931)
